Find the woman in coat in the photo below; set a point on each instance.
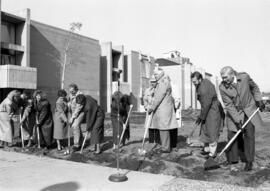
(27, 117)
(118, 105)
(8, 108)
(60, 118)
(44, 118)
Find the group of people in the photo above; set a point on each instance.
(241, 97)
(40, 126)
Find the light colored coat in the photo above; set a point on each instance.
(163, 105)
(60, 119)
(239, 100)
(7, 111)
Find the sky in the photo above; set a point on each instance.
(212, 33)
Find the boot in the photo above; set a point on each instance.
(248, 166)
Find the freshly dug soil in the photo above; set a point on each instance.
(184, 161)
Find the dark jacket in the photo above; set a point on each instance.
(239, 100)
(45, 120)
(92, 112)
(211, 111)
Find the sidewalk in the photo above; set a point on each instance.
(26, 172)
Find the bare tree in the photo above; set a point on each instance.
(72, 29)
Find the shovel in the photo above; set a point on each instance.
(148, 121)
(38, 133)
(68, 149)
(125, 124)
(21, 128)
(214, 164)
(84, 140)
(188, 141)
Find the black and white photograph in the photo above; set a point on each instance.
(137, 95)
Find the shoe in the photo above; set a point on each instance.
(75, 148)
(204, 152)
(248, 166)
(97, 152)
(164, 151)
(227, 163)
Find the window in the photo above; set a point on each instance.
(8, 32)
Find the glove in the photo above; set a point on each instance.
(199, 121)
(260, 105)
(150, 111)
(239, 125)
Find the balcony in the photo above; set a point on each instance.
(13, 76)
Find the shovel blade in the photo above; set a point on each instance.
(141, 151)
(211, 164)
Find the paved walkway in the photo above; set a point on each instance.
(26, 172)
(22, 172)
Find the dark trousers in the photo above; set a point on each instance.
(154, 136)
(174, 135)
(243, 146)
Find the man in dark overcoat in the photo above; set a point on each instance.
(211, 114)
(241, 97)
(94, 116)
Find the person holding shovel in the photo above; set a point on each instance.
(28, 118)
(60, 118)
(118, 109)
(94, 116)
(148, 97)
(9, 108)
(44, 118)
(210, 118)
(241, 97)
(162, 107)
(77, 116)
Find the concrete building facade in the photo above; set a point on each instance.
(15, 69)
(32, 58)
(180, 69)
(140, 67)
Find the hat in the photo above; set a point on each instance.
(153, 79)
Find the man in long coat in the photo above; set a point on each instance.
(77, 116)
(241, 97)
(147, 102)
(163, 110)
(94, 116)
(210, 117)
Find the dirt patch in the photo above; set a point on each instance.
(183, 161)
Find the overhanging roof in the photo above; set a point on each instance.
(11, 18)
(166, 62)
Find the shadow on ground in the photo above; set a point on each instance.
(65, 186)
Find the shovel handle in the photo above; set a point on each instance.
(84, 141)
(238, 132)
(147, 124)
(21, 128)
(125, 124)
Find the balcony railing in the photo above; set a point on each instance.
(13, 76)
